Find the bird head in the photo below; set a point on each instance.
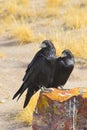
(68, 57)
(47, 44)
(67, 53)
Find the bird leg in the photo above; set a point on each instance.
(44, 89)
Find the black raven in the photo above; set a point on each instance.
(63, 68)
(39, 72)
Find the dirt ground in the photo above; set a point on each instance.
(12, 68)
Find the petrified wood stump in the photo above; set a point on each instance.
(61, 110)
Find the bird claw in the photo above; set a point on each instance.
(60, 87)
(46, 90)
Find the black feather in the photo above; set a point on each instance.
(63, 68)
(46, 70)
(39, 72)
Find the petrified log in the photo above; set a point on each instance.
(61, 110)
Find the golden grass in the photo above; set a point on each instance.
(51, 9)
(26, 115)
(16, 17)
(48, 12)
(76, 41)
(75, 17)
(17, 9)
(55, 3)
(15, 20)
(22, 32)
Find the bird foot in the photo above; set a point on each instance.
(60, 87)
(46, 90)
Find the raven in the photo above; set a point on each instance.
(63, 68)
(39, 72)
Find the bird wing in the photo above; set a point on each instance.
(37, 74)
(62, 72)
(30, 65)
(41, 74)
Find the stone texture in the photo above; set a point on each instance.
(61, 110)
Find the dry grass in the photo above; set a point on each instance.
(19, 19)
(22, 32)
(26, 114)
(51, 9)
(16, 16)
(75, 17)
(18, 8)
(55, 3)
(75, 41)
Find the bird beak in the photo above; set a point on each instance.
(42, 45)
(63, 55)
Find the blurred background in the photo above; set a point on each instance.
(24, 24)
(30, 21)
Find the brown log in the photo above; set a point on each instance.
(61, 110)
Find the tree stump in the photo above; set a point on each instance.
(61, 110)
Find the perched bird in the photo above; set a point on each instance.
(63, 68)
(46, 70)
(39, 72)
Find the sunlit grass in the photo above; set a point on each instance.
(48, 12)
(22, 32)
(75, 41)
(75, 17)
(17, 8)
(16, 17)
(55, 3)
(26, 115)
(51, 9)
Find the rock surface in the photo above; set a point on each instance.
(61, 110)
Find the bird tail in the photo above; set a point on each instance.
(20, 91)
(29, 94)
